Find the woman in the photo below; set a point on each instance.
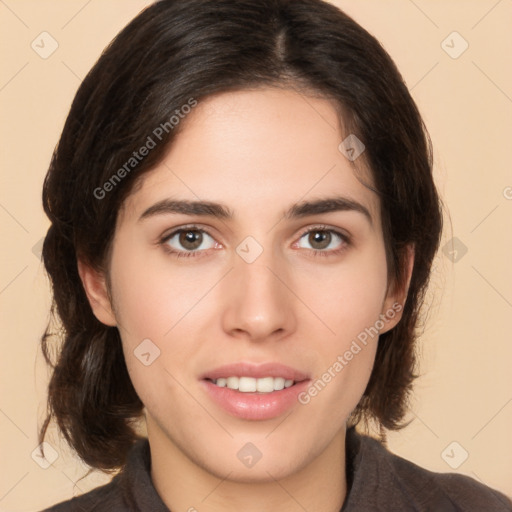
(243, 222)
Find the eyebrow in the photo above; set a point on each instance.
(220, 211)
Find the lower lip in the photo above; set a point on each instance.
(255, 406)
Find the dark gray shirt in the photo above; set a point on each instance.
(377, 480)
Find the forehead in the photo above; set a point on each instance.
(257, 151)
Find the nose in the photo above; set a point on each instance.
(258, 303)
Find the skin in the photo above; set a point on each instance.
(258, 152)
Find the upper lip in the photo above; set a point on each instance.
(255, 370)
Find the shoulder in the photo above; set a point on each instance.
(461, 491)
(401, 483)
(130, 489)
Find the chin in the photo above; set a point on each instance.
(261, 472)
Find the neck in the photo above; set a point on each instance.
(182, 484)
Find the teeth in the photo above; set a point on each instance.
(250, 385)
(279, 383)
(232, 382)
(247, 385)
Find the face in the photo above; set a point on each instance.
(276, 286)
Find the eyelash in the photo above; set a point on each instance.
(346, 241)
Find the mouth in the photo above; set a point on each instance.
(254, 391)
(253, 385)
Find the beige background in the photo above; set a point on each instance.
(465, 394)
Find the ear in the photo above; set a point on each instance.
(394, 302)
(95, 287)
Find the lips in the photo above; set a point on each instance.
(256, 371)
(244, 389)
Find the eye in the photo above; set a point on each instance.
(188, 241)
(324, 241)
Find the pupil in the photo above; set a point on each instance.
(320, 237)
(190, 239)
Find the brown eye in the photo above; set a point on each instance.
(324, 241)
(319, 239)
(188, 241)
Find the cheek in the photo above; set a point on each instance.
(150, 295)
(164, 303)
(349, 297)
(350, 303)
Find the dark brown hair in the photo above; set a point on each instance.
(176, 50)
